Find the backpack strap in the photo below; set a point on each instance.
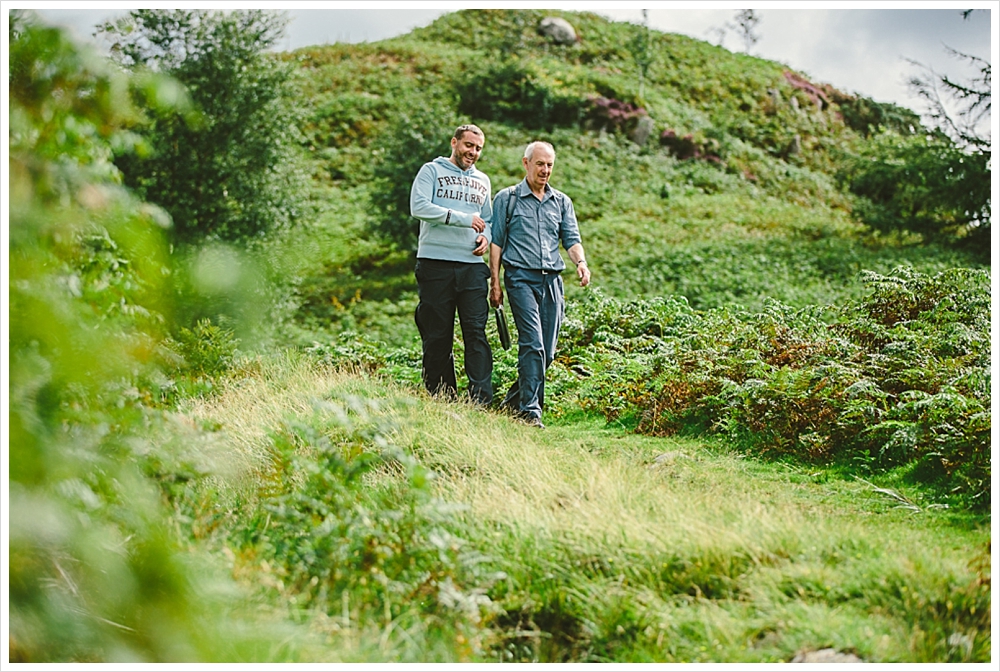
(510, 202)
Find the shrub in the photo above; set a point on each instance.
(207, 349)
(900, 376)
(231, 170)
(612, 115)
(868, 117)
(519, 92)
(687, 147)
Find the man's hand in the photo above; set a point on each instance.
(583, 273)
(481, 246)
(496, 294)
(478, 224)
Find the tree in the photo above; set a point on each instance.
(937, 184)
(746, 21)
(229, 172)
(928, 185)
(642, 53)
(972, 99)
(746, 24)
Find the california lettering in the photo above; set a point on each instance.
(474, 191)
(463, 196)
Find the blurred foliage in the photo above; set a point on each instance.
(230, 169)
(96, 571)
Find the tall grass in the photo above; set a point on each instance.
(583, 543)
(176, 499)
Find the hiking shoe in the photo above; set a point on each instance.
(534, 422)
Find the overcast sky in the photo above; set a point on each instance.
(858, 47)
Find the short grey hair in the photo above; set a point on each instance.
(529, 151)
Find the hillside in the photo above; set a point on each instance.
(741, 204)
(765, 441)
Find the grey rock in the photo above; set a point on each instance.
(557, 30)
(668, 457)
(825, 656)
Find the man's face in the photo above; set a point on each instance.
(465, 151)
(539, 167)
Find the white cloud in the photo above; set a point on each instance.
(856, 50)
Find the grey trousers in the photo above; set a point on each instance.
(538, 306)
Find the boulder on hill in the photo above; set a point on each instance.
(557, 30)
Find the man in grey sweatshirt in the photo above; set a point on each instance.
(451, 198)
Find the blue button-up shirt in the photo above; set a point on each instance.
(530, 236)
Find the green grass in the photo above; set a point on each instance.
(596, 544)
(178, 499)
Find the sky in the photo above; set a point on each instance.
(858, 47)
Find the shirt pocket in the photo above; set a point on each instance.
(551, 219)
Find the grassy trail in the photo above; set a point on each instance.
(613, 546)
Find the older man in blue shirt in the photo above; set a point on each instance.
(530, 220)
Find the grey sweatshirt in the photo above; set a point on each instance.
(444, 198)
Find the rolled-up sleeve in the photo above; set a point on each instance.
(424, 209)
(500, 223)
(569, 230)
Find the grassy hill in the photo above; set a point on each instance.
(762, 441)
(759, 215)
(732, 220)
(475, 538)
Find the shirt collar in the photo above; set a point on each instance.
(524, 190)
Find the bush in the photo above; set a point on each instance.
(868, 117)
(231, 170)
(208, 350)
(612, 115)
(518, 92)
(687, 147)
(899, 377)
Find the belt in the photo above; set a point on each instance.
(540, 271)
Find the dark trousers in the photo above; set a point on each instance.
(443, 287)
(538, 306)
